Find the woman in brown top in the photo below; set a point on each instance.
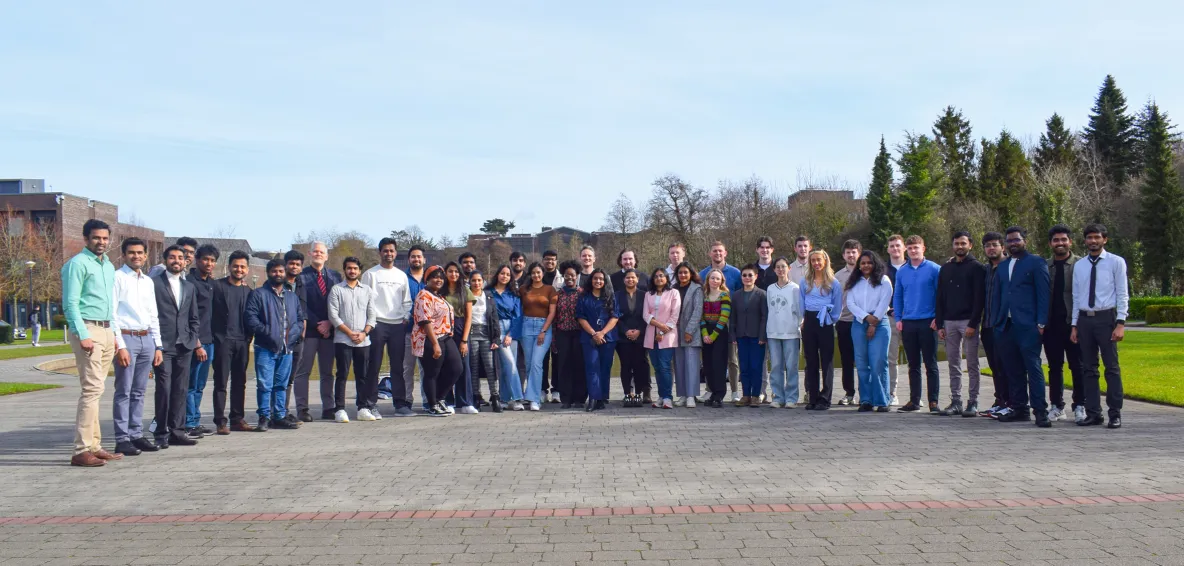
(538, 311)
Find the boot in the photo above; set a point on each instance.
(495, 402)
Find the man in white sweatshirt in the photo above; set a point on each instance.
(392, 305)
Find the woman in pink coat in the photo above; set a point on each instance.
(662, 304)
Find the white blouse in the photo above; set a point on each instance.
(864, 299)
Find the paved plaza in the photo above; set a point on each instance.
(730, 485)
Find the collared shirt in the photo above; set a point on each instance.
(135, 306)
(843, 275)
(88, 291)
(798, 270)
(353, 307)
(864, 298)
(175, 284)
(1110, 285)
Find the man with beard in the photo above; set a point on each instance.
(960, 297)
(392, 304)
(351, 311)
(316, 279)
(1020, 309)
(231, 344)
(180, 329)
(468, 264)
(189, 245)
(993, 249)
(1057, 346)
(627, 260)
(137, 338)
(550, 267)
(518, 277)
(275, 321)
(1100, 303)
(293, 266)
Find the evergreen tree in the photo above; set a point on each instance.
(922, 178)
(1004, 175)
(1161, 228)
(881, 202)
(1056, 145)
(1111, 131)
(952, 133)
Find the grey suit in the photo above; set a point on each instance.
(179, 335)
(1057, 346)
(688, 357)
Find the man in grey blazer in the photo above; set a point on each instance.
(176, 307)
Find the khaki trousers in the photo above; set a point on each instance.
(92, 373)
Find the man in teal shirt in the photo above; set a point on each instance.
(88, 299)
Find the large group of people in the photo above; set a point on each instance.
(549, 332)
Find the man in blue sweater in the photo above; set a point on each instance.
(914, 304)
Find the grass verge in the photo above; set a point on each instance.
(7, 388)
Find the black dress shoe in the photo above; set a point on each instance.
(1115, 422)
(328, 415)
(909, 407)
(162, 443)
(127, 448)
(144, 445)
(181, 439)
(1092, 421)
(599, 405)
(1042, 420)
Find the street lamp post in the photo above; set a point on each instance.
(254, 281)
(30, 264)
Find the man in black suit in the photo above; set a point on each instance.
(1019, 306)
(180, 326)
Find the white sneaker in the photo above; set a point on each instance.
(364, 415)
(690, 402)
(1056, 414)
(1079, 414)
(340, 416)
(735, 396)
(377, 415)
(555, 397)
(776, 405)
(516, 406)
(666, 404)
(894, 401)
(547, 398)
(535, 406)
(450, 409)
(680, 401)
(469, 410)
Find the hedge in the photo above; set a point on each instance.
(1158, 314)
(1139, 305)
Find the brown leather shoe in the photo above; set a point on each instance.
(242, 426)
(223, 430)
(105, 455)
(86, 460)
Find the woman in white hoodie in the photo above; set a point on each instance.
(784, 334)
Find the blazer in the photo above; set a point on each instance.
(1024, 293)
(670, 303)
(317, 305)
(1067, 296)
(631, 319)
(492, 322)
(179, 326)
(750, 314)
(690, 315)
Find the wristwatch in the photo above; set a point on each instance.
(1120, 322)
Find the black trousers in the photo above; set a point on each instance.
(715, 364)
(920, 346)
(1058, 348)
(569, 369)
(818, 345)
(440, 374)
(635, 368)
(1093, 337)
(998, 372)
(846, 356)
(172, 390)
(230, 361)
(389, 338)
(367, 389)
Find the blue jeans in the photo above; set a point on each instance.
(199, 372)
(751, 354)
(662, 360)
(130, 384)
(871, 360)
(272, 371)
(531, 328)
(783, 378)
(598, 367)
(510, 381)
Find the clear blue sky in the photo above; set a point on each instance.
(280, 117)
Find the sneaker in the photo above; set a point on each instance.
(450, 409)
(1010, 416)
(735, 396)
(404, 412)
(776, 405)
(893, 402)
(1079, 414)
(908, 408)
(516, 406)
(990, 412)
(365, 415)
(555, 398)
(690, 402)
(1056, 413)
(882, 409)
(955, 408)
(376, 414)
(341, 417)
(667, 404)
(999, 413)
(1042, 420)
(865, 407)
(971, 410)
(437, 411)
(468, 410)
(547, 398)
(844, 401)
(680, 401)
(535, 406)
(743, 401)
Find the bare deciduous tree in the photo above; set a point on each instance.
(622, 217)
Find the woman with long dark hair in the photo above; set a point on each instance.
(635, 370)
(433, 343)
(689, 357)
(868, 297)
(484, 339)
(456, 292)
(597, 314)
(538, 312)
(821, 296)
(508, 304)
(662, 306)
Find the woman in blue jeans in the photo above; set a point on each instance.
(538, 312)
(509, 312)
(748, 329)
(662, 305)
(868, 297)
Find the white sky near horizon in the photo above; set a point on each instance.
(273, 118)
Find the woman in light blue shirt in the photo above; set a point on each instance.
(822, 300)
(868, 296)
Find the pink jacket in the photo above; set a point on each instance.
(669, 304)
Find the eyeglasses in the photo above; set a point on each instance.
(748, 275)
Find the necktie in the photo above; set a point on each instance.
(321, 283)
(1093, 280)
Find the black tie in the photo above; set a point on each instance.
(1093, 280)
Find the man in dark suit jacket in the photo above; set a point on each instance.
(1019, 307)
(180, 327)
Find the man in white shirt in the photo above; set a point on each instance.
(1101, 300)
(676, 253)
(895, 260)
(138, 347)
(392, 305)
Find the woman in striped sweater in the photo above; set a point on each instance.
(717, 308)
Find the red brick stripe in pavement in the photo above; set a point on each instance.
(599, 511)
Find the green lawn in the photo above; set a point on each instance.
(1150, 368)
(1168, 325)
(48, 337)
(14, 388)
(31, 352)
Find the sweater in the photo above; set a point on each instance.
(785, 311)
(715, 315)
(392, 293)
(915, 297)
